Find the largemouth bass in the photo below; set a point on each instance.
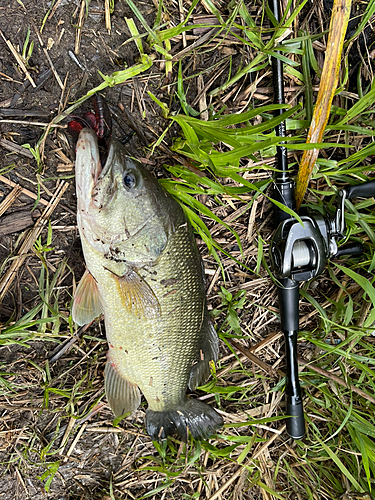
(145, 274)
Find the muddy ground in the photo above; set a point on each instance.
(32, 438)
(98, 462)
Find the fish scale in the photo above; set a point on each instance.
(154, 345)
(144, 273)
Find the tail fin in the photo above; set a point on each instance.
(193, 415)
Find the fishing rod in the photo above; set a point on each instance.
(299, 252)
(288, 289)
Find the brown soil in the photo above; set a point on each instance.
(105, 462)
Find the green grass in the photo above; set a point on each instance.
(337, 457)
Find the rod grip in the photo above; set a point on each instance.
(289, 316)
(365, 190)
(289, 304)
(295, 424)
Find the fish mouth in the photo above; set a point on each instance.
(92, 166)
(93, 159)
(88, 166)
(107, 158)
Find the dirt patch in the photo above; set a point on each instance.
(56, 431)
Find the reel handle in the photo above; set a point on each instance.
(352, 249)
(365, 190)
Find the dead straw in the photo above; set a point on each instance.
(29, 241)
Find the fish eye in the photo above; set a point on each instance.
(129, 180)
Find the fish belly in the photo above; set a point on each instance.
(157, 354)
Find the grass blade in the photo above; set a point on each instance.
(327, 87)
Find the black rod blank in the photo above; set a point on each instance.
(288, 289)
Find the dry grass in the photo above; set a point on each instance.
(56, 430)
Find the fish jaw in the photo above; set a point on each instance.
(88, 169)
(89, 173)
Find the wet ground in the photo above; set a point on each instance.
(33, 440)
(64, 438)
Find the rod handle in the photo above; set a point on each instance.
(295, 424)
(365, 190)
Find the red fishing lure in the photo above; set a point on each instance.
(100, 121)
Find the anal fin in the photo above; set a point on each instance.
(123, 396)
(87, 303)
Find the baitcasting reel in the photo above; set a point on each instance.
(300, 253)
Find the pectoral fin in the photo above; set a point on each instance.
(87, 303)
(123, 396)
(137, 296)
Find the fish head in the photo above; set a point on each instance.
(122, 211)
